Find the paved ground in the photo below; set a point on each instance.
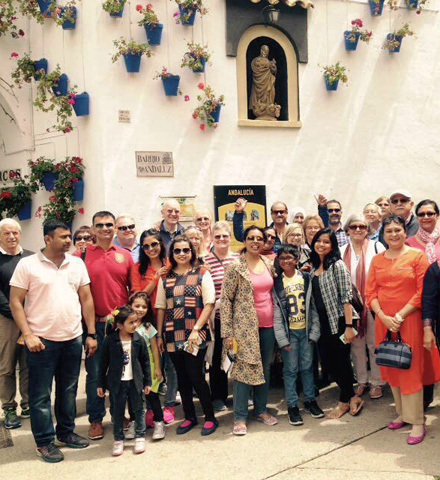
(360, 448)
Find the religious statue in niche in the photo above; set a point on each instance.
(262, 99)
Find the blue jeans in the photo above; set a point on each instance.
(242, 391)
(61, 360)
(95, 406)
(171, 378)
(298, 358)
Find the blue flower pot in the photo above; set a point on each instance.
(25, 212)
(154, 34)
(82, 104)
(376, 9)
(132, 62)
(331, 87)
(41, 64)
(118, 15)
(215, 114)
(184, 12)
(49, 180)
(349, 45)
(412, 4)
(399, 39)
(44, 5)
(63, 86)
(78, 191)
(68, 25)
(200, 70)
(171, 85)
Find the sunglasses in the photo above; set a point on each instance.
(124, 228)
(179, 251)
(426, 214)
(202, 219)
(100, 226)
(150, 247)
(255, 239)
(86, 238)
(270, 237)
(400, 200)
(333, 210)
(358, 227)
(220, 237)
(279, 212)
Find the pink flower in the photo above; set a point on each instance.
(149, 7)
(67, 130)
(14, 55)
(357, 23)
(72, 95)
(21, 33)
(139, 8)
(186, 98)
(194, 115)
(177, 14)
(164, 70)
(201, 86)
(202, 127)
(81, 211)
(71, 101)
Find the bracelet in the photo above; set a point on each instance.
(399, 317)
(427, 322)
(349, 325)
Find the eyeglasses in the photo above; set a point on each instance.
(173, 211)
(179, 251)
(286, 259)
(100, 226)
(124, 228)
(426, 214)
(220, 237)
(358, 227)
(202, 219)
(150, 247)
(400, 200)
(86, 238)
(255, 239)
(296, 235)
(279, 212)
(333, 210)
(270, 237)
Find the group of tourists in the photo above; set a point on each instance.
(153, 315)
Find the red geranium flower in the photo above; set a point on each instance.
(6, 195)
(81, 211)
(139, 8)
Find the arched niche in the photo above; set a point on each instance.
(286, 87)
(15, 135)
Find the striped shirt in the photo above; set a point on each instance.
(217, 270)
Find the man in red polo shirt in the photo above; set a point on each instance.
(109, 269)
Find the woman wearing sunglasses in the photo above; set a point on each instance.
(247, 317)
(185, 300)
(83, 237)
(357, 255)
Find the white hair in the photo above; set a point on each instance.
(126, 216)
(9, 222)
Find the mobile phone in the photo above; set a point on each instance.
(342, 337)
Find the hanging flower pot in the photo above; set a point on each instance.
(44, 5)
(331, 86)
(133, 62)
(25, 213)
(49, 180)
(82, 104)
(61, 88)
(394, 43)
(41, 64)
(412, 4)
(376, 7)
(187, 16)
(351, 40)
(215, 114)
(118, 14)
(200, 67)
(171, 85)
(114, 7)
(196, 57)
(69, 24)
(78, 191)
(332, 75)
(154, 33)
(132, 53)
(353, 36)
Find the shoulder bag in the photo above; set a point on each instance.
(394, 353)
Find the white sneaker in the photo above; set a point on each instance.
(130, 432)
(118, 448)
(139, 445)
(159, 431)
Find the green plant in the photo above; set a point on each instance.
(335, 73)
(31, 8)
(39, 168)
(190, 6)
(8, 16)
(193, 57)
(24, 71)
(394, 39)
(356, 26)
(416, 6)
(64, 13)
(13, 199)
(149, 17)
(132, 47)
(113, 6)
(209, 103)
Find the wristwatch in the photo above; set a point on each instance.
(399, 317)
(93, 335)
(196, 328)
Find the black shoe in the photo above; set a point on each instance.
(186, 426)
(72, 440)
(314, 409)
(294, 416)
(208, 429)
(11, 419)
(50, 453)
(162, 389)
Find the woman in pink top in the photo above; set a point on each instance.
(428, 236)
(246, 310)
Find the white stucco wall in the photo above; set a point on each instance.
(380, 132)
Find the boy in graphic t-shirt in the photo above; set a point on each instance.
(296, 327)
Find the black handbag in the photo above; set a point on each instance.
(356, 300)
(394, 353)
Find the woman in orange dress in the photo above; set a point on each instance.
(394, 293)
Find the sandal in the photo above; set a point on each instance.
(340, 410)
(360, 389)
(376, 391)
(239, 429)
(267, 419)
(356, 405)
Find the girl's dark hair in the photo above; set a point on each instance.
(182, 238)
(123, 313)
(334, 254)
(266, 229)
(394, 219)
(427, 202)
(287, 249)
(248, 230)
(149, 316)
(144, 261)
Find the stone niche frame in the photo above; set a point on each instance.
(292, 78)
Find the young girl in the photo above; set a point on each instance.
(141, 305)
(125, 372)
